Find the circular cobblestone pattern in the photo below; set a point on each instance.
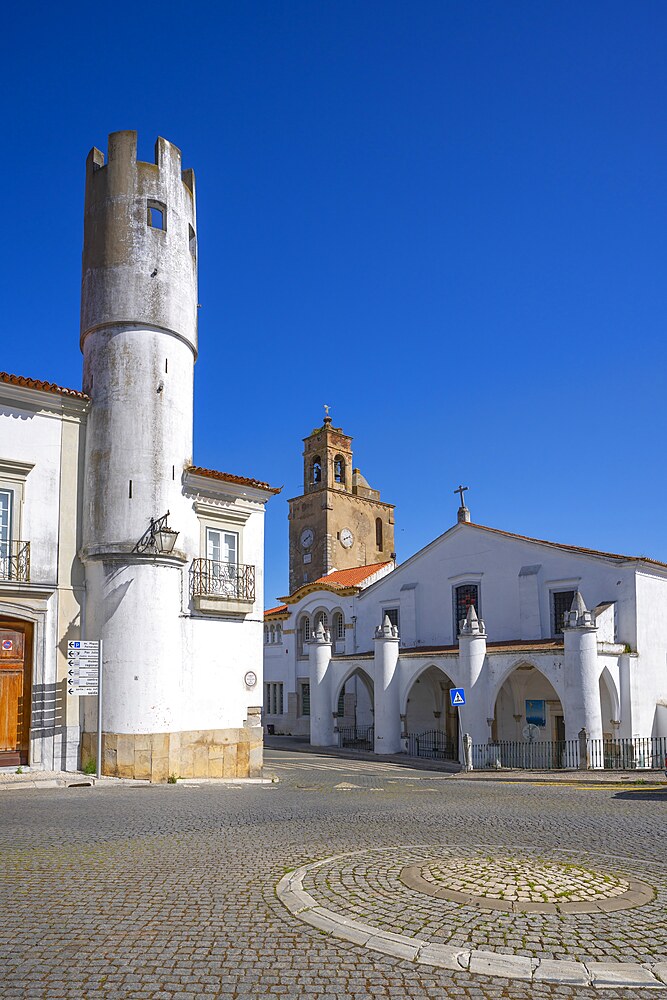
(527, 885)
(512, 911)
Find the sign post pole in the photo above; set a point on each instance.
(461, 755)
(457, 697)
(99, 715)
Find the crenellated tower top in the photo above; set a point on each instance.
(140, 241)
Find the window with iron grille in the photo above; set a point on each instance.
(273, 699)
(465, 596)
(338, 626)
(391, 614)
(305, 698)
(561, 603)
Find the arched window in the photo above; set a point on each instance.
(273, 634)
(266, 633)
(304, 635)
(465, 596)
(322, 617)
(378, 532)
(279, 633)
(339, 469)
(338, 626)
(316, 476)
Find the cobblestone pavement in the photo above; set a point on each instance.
(170, 891)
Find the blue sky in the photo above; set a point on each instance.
(446, 220)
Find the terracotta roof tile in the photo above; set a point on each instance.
(350, 577)
(227, 477)
(33, 383)
(280, 610)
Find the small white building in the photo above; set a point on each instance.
(107, 529)
(545, 639)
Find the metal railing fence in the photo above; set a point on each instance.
(234, 581)
(432, 743)
(15, 561)
(643, 752)
(356, 737)
(632, 753)
(545, 755)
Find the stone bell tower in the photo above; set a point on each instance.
(139, 344)
(338, 522)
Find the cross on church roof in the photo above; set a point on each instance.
(461, 490)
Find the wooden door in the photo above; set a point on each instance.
(14, 694)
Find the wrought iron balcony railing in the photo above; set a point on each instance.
(15, 561)
(231, 581)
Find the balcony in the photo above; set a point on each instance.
(222, 588)
(15, 562)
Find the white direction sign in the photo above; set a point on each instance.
(83, 667)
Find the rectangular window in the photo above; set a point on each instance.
(341, 704)
(273, 699)
(222, 569)
(5, 533)
(392, 615)
(561, 603)
(222, 546)
(305, 698)
(465, 596)
(157, 215)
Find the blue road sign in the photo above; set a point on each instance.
(457, 697)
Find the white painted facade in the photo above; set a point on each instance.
(89, 473)
(606, 672)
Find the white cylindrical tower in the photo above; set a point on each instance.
(321, 714)
(582, 673)
(139, 343)
(473, 677)
(387, 689)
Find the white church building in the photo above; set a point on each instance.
(108, 531)
(545, 639)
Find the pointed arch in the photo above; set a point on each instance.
(525, 692)
(608, 688)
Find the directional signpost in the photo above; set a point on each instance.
(84, 677)
(457, 696)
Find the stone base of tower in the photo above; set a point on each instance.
(207, 753)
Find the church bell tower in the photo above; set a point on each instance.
(338, 522)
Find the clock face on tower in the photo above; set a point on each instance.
(307, 537)
(346, 538)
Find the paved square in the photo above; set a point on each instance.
(170, 891)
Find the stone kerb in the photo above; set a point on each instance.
(597, 974)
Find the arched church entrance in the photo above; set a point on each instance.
(15, 690)
(430, 721)
(354, 710)
(528, 708)
(528, 727)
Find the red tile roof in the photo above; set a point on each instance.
(227, 477)
(341, 578)
(33, 383)
(280, 610)
(569, 548)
